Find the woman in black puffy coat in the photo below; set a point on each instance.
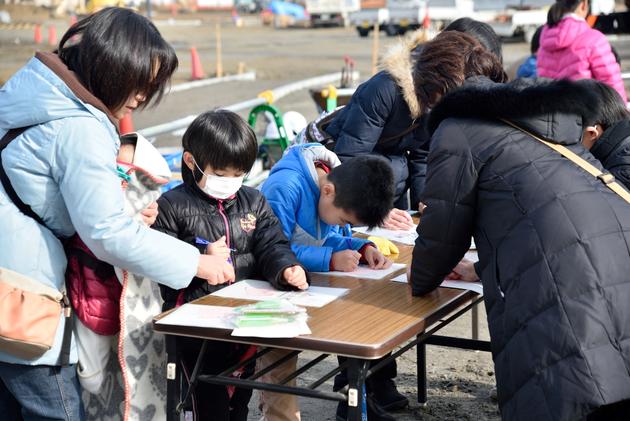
(387, 114)
(553, 245)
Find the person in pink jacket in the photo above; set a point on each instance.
(571, 49)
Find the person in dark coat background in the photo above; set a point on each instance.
(387, 114)
(607, 136)
(553, 244)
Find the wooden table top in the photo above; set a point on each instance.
(368, 322)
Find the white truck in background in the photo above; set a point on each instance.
(365, 20)
(396, 17)
(331, 12)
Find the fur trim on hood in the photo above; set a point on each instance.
(398, 62)
(519, 100)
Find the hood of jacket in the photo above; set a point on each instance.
(563, 34)
(45, 90)
(399, 62)
(553, 110)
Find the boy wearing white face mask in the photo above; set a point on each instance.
(215, 213)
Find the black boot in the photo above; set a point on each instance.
(374, 411)
(387, 396)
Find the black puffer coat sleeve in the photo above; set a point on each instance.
(448, 220)
(365, 120)
(272, 250)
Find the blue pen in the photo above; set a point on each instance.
(204, 242)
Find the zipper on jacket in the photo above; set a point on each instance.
(227, 232)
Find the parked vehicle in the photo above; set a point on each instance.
(365, 20)
(331, 12)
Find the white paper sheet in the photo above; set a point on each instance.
(363, 271)
(403, 237)
(402, 278)
(471, 286)
(286, 330)
(198, 315)
(250, 289)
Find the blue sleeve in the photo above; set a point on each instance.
(285, 202)
(366, 118)
(84, 166)
(339, 242)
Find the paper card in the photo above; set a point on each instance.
(364, 272)
(199, 315)
(250, 289)
(403, 237)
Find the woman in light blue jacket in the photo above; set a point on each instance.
(64, 167)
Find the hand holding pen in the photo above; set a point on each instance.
(222, 270)
(219, 248)
(346, 260)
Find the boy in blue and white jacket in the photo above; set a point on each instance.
(313, 196)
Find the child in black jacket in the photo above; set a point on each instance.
(214, 212)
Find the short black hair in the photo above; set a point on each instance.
(481, 31)
(609, 108)
(364, 185)
(221, 139)
(115, 53)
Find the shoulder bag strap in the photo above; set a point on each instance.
(605, 177)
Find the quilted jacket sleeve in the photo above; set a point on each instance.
(450, 196)
(365, 120)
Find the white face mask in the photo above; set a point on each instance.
(220, 187)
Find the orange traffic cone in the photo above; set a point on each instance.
(52, 35)
(38, 34)
(125, 125)
(197, 70)
(426, 22)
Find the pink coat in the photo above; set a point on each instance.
(573, 50)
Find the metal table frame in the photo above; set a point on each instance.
(359, 370)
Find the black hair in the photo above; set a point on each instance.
(364, 185)
(535, 44)
(559, 9)
(609, 108)
(481, 31)
(117, 53)
(221, 139)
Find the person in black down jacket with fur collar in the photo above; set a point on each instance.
(553, 243)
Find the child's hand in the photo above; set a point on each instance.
(150, 214)
(216, 270)
(219, 248)
(398, 220)
(295, 276)
(346, 261)
(375, 258)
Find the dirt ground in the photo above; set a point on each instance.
(460, 382)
